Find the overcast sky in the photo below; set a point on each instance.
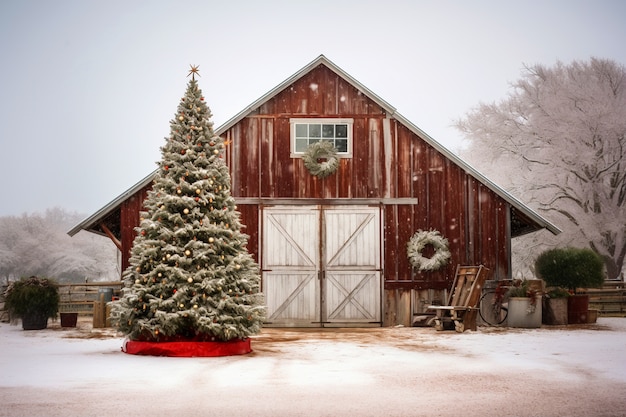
(87, 88)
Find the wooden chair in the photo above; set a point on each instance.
(462, 303)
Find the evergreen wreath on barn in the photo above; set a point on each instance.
(321, 150)
(419, 241)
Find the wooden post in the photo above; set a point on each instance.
(99, 313)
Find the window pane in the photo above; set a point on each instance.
(301, 145)
(328, 131)
(315, 131)
(301, 130)
(341, 145)
(341, 131)
(311, 141)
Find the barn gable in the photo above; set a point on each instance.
(341, 237)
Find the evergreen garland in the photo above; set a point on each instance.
(419, 241)
(321, 150)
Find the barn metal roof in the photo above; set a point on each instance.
(522, 209)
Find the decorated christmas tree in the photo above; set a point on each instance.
(191, 277)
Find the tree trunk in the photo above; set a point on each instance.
(613, 267)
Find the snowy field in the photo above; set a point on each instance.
(552, 371)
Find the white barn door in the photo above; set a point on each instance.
(290, 266)
(351, 267)
(321, 266)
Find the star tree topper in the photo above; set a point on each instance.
(194, 71)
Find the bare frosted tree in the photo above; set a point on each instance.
(558, 141)
(35, 244)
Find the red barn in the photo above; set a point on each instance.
(333, 250)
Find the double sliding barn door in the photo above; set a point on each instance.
(321, 266)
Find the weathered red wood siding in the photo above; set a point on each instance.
(389, 161)
(129, 219)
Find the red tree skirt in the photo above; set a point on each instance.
(188, 349)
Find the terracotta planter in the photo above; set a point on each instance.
(523, 314)
(555, 311)
(577, 309)
(34, 321)
(69, 319)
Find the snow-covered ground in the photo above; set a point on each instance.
(552, 371)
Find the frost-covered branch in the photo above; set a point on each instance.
(558, 140)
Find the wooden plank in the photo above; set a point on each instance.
(76, 307)
(397, 308)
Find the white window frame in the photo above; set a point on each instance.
(311, 120)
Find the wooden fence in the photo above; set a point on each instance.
(90, 298)
(610, 300)
(80, 298)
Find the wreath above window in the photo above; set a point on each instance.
(321, 150)
(419, 241)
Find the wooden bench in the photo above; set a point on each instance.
(462, 303)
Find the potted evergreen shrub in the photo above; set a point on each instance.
(524, 305)
(34, 300)
(572, 269)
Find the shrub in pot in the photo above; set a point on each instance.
(524, 305)
(34, 300)
(572, 268)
